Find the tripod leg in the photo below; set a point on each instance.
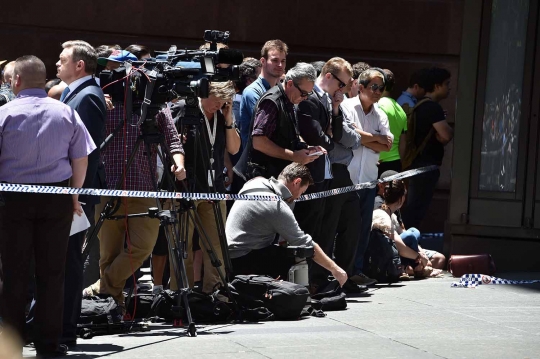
(218, 213)
(110, 208)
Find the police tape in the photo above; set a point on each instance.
(474, 280)
(371, 184)
(22, 188)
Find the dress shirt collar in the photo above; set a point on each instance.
(73, 86)
(32, 92)
(410, 96)
(319, 91)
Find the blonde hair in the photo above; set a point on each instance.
(222, 90)
(335, 65)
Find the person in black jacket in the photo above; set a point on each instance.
(320, 122)
(76, 67)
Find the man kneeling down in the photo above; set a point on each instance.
(252, 227)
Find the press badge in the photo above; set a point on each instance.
(211, 177)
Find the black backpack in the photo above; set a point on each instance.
(382, 261)
(204, 308)
(284, 299)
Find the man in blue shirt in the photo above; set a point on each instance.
(416, 89)
(273, 60)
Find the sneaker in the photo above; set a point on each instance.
(157, 289)
(351, 287)
(362, 279)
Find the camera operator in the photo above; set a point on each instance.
(116, 263)
(253, 225)
(275, 141)
(205, 164)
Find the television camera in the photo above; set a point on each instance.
(173, 74)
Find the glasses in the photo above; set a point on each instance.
(341, 83)
(302, 92)
(376, 87)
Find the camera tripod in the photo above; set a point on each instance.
(176, 238)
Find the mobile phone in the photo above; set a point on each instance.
(318, 153)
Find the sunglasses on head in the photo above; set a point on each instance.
(302, 92)
(341, 83)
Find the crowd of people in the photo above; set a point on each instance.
(314, 127)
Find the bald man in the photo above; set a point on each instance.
(52, 149)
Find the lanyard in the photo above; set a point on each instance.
(211, 134)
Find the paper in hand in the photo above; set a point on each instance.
(79, 224)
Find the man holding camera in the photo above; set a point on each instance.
(116, 262)
(205, 144)
(275, 140)
(253, 226)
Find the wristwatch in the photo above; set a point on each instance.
(230, 127)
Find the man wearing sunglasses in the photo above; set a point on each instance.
(320, 123)
(371, 123)
(274, 140)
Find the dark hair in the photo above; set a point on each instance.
(394, 191)
(104, 50)
(420, 78)
(294, 171)
(51, 83)
(138, 50)
(358, 68)
(436, 76)
(318, 65)
(389, 80)
(248, 70)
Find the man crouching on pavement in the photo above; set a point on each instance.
(252, 227)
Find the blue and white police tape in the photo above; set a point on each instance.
(474, 280)
(371, 184)
(22, 188)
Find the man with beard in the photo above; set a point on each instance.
(273, 60)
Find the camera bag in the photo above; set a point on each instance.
(284, 299)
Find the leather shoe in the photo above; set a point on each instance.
(61, 350)
(351, 287)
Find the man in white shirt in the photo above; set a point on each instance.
(371, 123)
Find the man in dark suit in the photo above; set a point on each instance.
(320, 123)
(77, 64)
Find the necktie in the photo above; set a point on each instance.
(64, 94)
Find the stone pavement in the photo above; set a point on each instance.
(417, 319)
